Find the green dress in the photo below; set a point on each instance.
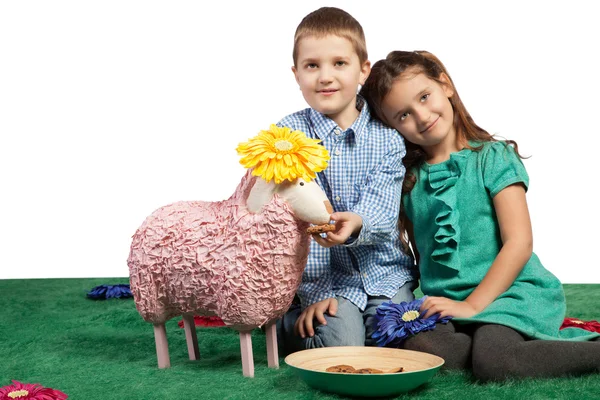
(458, 238)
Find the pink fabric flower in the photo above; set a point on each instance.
(213, 321)
(29, 391)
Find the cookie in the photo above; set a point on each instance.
(321, 228)
(368, 371)
(346, 369)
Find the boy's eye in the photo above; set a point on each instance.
(424, 97)
(311, 65)
(404, 116)
(340, 63)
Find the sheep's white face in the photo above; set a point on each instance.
(306, 199)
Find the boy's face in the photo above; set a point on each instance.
(329, 71)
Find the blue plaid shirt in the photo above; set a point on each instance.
(364, 176)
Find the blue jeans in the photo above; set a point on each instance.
(349, 327)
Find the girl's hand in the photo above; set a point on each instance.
(346, 224)
(304, 323)
(447, 308)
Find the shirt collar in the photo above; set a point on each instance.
(324, 125)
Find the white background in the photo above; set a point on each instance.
(111, 109)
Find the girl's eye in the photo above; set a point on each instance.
(311, 66)
(424, 97)
(340, 63)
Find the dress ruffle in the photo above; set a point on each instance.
(442, 179)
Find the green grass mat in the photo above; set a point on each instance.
(51, 334)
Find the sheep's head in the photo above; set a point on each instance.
(286, 162)
(306, 199)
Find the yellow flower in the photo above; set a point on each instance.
(281, 154)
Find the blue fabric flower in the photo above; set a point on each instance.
(395, 322)
(102, 292)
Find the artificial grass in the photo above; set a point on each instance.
(51, 334)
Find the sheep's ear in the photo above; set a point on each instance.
(260, 194)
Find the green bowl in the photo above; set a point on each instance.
(418, 368)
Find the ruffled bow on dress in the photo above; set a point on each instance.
(442, 179)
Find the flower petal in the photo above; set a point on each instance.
(390, 327)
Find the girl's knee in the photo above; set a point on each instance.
(454, 348)
(496, 365)
(496, 354)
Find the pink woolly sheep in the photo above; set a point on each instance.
(240, 259)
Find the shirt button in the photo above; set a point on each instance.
(337, 131)
(337, 198)
(365, 274)
(337, 152)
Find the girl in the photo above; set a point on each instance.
(465, 215)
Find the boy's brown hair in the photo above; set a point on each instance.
(332, 21)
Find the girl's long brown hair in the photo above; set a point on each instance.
(378, 85)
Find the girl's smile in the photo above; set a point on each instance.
(430, 126)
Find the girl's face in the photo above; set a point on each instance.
(419, 108)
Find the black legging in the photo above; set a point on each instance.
(497, 352)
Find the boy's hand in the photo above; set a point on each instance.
(346, 224)
(304, 323)
(447, 308)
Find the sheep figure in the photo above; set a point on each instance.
(240, 259)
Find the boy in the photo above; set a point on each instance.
(360, 264)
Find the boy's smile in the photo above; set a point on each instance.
(329, 71)
(327, 92)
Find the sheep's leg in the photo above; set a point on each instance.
(272, 353)
(190, 336)
(162, 346)
(247, 357)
